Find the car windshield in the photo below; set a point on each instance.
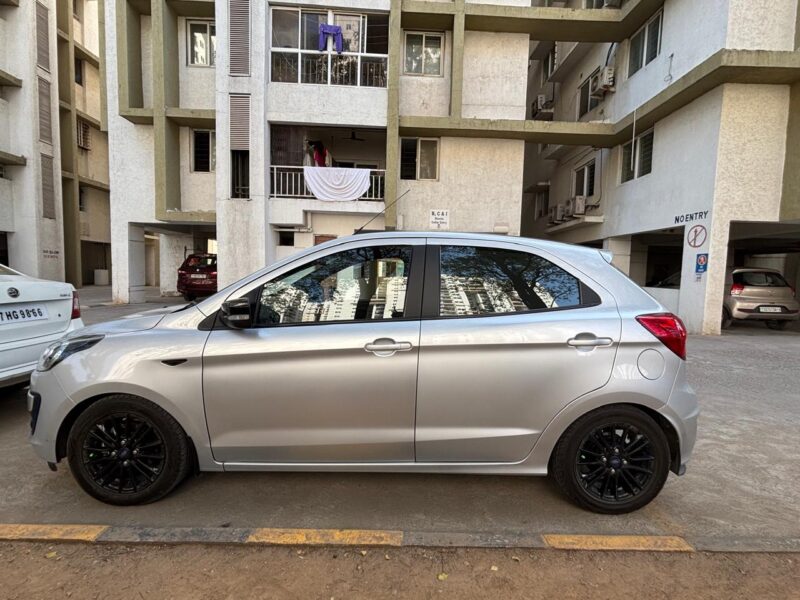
(200, 261)
(759, 279)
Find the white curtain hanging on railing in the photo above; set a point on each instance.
(336, 185)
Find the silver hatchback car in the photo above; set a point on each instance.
(401, 352)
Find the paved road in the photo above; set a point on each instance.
(741, 488)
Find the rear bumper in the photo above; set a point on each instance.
(682, 411)
(200, 287)
(751, 308)
(18, 359)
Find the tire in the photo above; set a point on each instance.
(727, 319)
(777, 325)
(188, 297)
(585, 452)
(115, 471)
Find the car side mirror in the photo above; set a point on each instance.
(236, 313)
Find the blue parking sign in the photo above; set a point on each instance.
(702, 263)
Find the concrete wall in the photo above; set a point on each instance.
(326, 104)
(196, 82)
(480, 182)
(94, 163)
(147, 58)
(96, 219)
(197, 189)
(173, 249)
(87, 96)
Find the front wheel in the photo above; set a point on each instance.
(613, 460)
(125, 450)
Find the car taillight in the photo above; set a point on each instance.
(669, 330)
(76, 306)
(737, 289)
(214, 273)
(181, 272)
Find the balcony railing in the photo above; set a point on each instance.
(325, 68)
(289, 182)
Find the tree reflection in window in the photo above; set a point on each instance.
(361, 284)
(483, 281)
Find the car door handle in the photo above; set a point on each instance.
(387, 347)
(584, 341)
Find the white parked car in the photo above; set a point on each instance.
(33, 314)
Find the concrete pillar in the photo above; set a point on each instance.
(135, 275)
(172, 251)
(638, 262)
(620, 247)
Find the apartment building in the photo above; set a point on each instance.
(54, 208)
(690, 161)
(660, 130)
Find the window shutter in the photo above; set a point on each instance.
(84, 135)
(239, 36)
(45, 115)
(48, 188)
(240, 121)
(42, 36)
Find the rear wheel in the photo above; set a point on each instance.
(125, 450)
(777, 325)
(188, 297)
(727, 319)
(613, 460)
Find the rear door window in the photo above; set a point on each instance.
(759, 279)
(490, 281)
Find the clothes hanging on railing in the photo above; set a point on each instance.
(335, 31)
(334, 184)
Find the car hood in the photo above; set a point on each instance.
(129, 324)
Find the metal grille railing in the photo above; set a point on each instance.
(289, 182)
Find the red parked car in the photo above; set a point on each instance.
(197, 276)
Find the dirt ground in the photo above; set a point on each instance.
(52, 571)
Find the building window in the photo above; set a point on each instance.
(84, 134)
(78, 71)
(637, 157)
(82, 199)
(490, 281)
(645, 44)
(240, 173)
(540, 205)
(76, 9)
(204, 151)
(593, 3)
(586, 102)
(354, 47)
(584, 180)
(419, 158)
(424, 54)
(202, 49)
(286, 238)
(3, 172)
(549, 65)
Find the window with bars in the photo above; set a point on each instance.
(586, 102)
(584, 180)
(84, 135)
(423, 54)
(637, 157)
(645, 44)
(240, 173)
(202, 43)
(296, 37)
(419, 158)
(204, 151)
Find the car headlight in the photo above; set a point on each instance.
(58, 351)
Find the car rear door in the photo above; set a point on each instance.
(328, 372)
(509, 337)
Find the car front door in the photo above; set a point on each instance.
(327, 373)
(508, 339)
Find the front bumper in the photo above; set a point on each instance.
(52, 408)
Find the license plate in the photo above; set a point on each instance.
(770, 309)
(197, 276)
(19, 314)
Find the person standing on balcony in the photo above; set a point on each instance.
(318, 155)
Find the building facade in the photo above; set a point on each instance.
(53, 153)
(624, 124)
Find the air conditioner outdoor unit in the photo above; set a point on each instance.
(612, 3)
(551, 213)
(579, 205)
(543, 103)
(569, 208)
(607, 78)
(560, 210)
(602, 83)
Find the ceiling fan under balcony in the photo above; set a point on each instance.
(353, 137)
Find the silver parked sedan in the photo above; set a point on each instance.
(401, 352)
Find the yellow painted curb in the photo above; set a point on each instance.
(643, 543)
(62, 533)
(341, 537)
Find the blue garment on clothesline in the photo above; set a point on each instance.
(333, 30)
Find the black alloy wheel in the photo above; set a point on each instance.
(126, 450)
(613, 460)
